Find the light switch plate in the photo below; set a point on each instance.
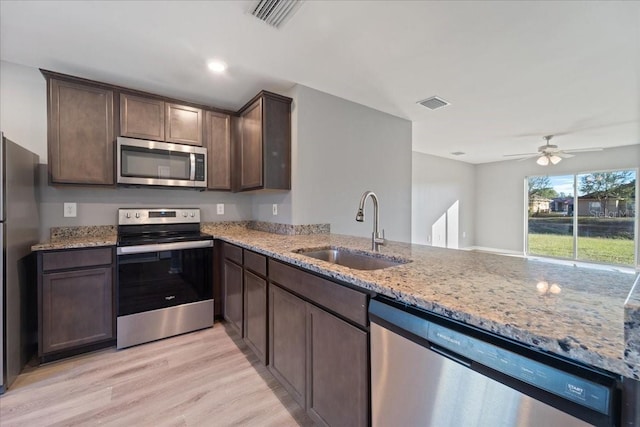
(220, 208)
(70, 210)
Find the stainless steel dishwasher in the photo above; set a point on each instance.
(430, 371)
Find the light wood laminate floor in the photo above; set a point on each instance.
(205, 378)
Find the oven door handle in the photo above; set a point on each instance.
(159, 247)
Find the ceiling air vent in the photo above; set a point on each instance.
(275, 12)
(433, 103)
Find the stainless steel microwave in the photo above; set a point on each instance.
(142, 162)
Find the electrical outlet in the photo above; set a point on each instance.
(70, 210)
(275, 209)
(220, 208)
(464, 234)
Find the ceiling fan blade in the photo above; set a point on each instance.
(527, 158)
(521, 154)
(584, 150)
(563, 154)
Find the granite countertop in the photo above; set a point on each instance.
(586, 314)
(78, 237)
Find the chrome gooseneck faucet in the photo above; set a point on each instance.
(377, 239)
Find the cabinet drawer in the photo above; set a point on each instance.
(255, 262)
(340, 299)
(64, 259)
(232, 252)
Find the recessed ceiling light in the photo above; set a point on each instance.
(217, 66)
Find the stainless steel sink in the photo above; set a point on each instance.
(352, 259)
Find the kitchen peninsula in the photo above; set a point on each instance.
(581, 319)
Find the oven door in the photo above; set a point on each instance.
(152, 277)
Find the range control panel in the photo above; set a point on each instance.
(158, 216)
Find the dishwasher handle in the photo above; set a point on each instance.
(451, 356)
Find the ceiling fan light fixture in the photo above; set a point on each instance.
(555, 159)
(543, 161)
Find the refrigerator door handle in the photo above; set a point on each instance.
(2, 178)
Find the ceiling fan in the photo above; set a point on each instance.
(550, 153)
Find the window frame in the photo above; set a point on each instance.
(636, 221)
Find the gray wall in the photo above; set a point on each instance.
(442, 188)
(99, 206)
(500, 196)
(340, 149)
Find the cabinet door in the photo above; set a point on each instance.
(218, 143)
(183, 124)
(141, 117)
(232, 293)
(255, 314)
(80, 134)
(250, 147)
(338, 371)
(276, 131)
(287, 342)
(77, 308)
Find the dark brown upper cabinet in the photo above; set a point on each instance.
(155, 119)
(217, 140)
(80, 133)
(141, 118)
(247, 150)
(263, 144)
(183, 124)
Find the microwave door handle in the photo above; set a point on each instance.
(192, 174)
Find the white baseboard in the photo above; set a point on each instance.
(495, 251)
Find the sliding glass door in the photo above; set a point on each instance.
(587, 217)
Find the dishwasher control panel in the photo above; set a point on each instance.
(571, 387)
(467, 350)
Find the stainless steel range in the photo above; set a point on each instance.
(165, 274)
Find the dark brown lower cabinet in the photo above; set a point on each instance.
(288, 342)
(76, 308)
(76, 301)
(232, 294)
(255, 314)
(338, 374)
(320, 359)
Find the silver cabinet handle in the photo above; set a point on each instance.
(192, 175)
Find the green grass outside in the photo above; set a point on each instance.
(610, 251)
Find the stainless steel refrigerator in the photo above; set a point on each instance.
(19, 222)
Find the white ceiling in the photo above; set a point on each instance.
(512, 70)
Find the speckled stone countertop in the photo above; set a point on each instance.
(576, 312)
(586, 314)
(78, 237)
